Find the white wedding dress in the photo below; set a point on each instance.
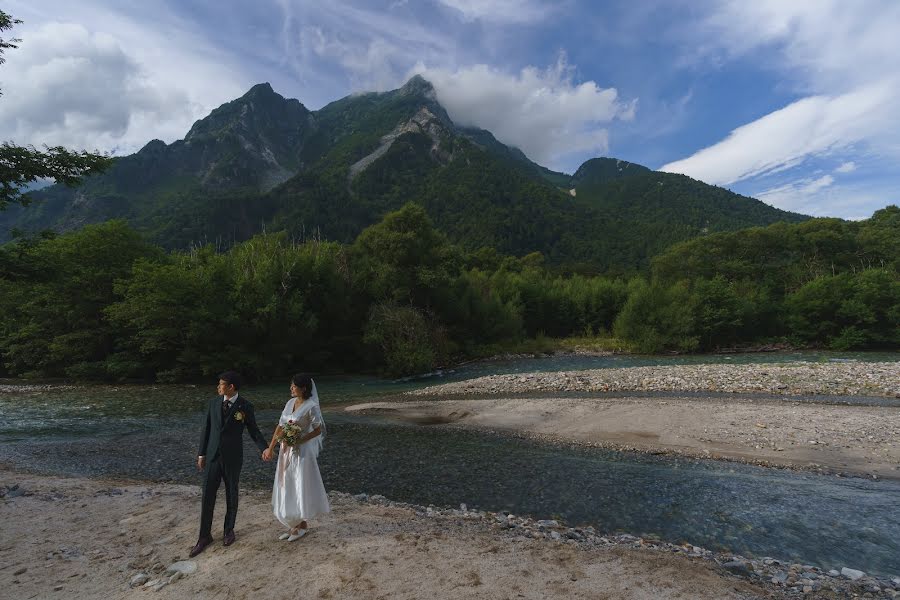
(298, 493)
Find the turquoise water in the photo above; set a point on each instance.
(149, 432)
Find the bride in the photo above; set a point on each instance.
(298, 493)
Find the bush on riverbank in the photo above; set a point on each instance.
(101, 303)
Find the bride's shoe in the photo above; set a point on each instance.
(284, 535)
(296, 536)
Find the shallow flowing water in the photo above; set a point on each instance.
(150, 432)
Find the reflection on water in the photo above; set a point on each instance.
(150, 432)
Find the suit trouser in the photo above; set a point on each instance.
(216, 472)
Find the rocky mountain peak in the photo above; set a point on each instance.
(261, 108)
(261, 90)
(418, 86)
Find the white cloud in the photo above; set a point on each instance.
(784, 138)
(797, 195)
(842, 60)
(825, 196)
(543, 112)
(68, 86)
(500, 11)
(327, 45)
(113, 86)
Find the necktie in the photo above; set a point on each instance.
(225, 406)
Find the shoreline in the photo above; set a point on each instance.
(757, 414)
(795, 378)
(513, 417)
(369, 544)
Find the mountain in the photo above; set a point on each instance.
(264, 161)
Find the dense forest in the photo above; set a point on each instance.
(104, 303)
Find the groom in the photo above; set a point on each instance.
(222, 453)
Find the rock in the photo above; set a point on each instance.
(160, 585)
(176, 576)
(361, 497)
(14, 492)
(779, 577)
(739, 567)
(555, 535)
(834, 573)
(548, 523)
(852, 574)
(185, 567)
(19, 571)
(151, 583)
(139, 579)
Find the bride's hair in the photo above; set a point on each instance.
(304, 382)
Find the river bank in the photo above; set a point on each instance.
(850, 378)
(89, 538)
(640, 409)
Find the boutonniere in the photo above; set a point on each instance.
(239, 415)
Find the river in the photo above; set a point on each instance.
(150, 432)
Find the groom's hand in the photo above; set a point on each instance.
(201, 462)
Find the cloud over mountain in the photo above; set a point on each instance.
(542, 112)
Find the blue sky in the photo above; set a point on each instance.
(789, 101)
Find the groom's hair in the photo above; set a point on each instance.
(304, 382)
(232, 377)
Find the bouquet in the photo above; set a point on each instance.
(290, 433)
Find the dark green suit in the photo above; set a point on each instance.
(222, 444)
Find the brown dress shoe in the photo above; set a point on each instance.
(229, 538)
(202, 543)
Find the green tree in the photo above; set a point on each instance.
(657, 317)
(22, 165)
(850, 310)
(404, 259)
(407, 341)
(54, 322)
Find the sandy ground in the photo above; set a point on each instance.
(81, 538)
(837, 438)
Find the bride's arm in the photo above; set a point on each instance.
(275, 436)
(314, 433)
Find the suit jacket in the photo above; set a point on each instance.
(223, 434)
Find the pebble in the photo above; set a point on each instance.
(739, 567)
(800, 578)
(139, 579)
(185, 567)
(799, 378)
